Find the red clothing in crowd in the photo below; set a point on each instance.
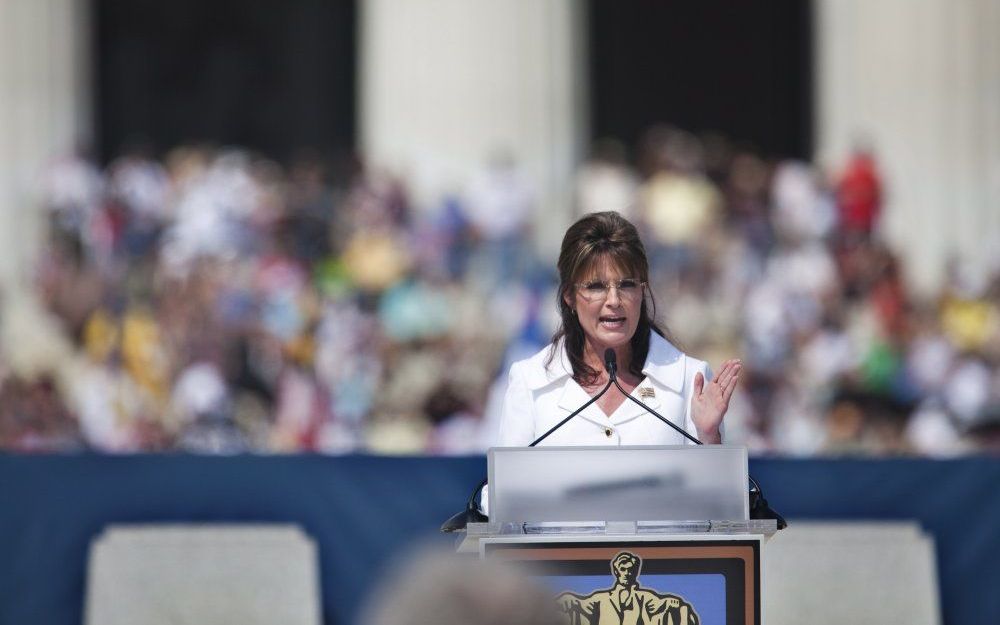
(859, 195)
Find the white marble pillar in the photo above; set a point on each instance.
(44, 112)
(443, 83)
(921, 80)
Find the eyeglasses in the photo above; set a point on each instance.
(598, 290)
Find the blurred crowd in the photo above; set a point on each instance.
(216, 301)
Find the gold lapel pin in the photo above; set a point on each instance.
(646, 392)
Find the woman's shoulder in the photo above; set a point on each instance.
(544, 366)
(670, 365)
(662, 351)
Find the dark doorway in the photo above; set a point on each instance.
(740, 68)
(275, 75)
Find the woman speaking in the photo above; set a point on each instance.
(605, 303)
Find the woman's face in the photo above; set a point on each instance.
(608, 316)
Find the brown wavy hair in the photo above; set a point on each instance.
(591, 238)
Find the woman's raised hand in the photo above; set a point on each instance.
(710, 402)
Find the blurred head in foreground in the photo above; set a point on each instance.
(439, 589)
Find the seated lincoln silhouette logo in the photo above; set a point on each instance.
(626, 602)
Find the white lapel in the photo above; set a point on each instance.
(664, 376)
(665, 364)
(630, 410)
(573, 396)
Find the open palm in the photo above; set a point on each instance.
(710, 401)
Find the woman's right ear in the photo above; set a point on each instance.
(568, 300)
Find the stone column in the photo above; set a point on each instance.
(921, 80)
(44, 112)
(443, 83)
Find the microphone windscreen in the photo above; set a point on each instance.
(610, 360)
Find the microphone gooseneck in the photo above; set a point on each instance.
(574, 413)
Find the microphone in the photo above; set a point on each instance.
(611, 363)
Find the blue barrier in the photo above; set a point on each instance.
(363, 510)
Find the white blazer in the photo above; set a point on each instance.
(539, 397)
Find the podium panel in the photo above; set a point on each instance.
(693, 579)
(626, 483)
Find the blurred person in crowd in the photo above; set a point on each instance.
(445, 589)
(116, 413)
(859, 194)
(887, 296)
(376, 260)
(970, 318)
(141, 186)
(931, 431)
(143, 352)
(72, 192)
(693, 308)
(68, 283)
(213, 211)
(349, 366)
(968, 390)
(806, 276)
(497, 207)
(861, 422)
(444, 242)
(201, 403)
(802, 210)
(376, 200)
(302, 407)
(746, 196)
(720, 155)
(767, 337)
(456, 426)
(311, 207)
(416, 318)
(605, 305)
(375, 252)
(986, 437)
(33, 417)
(678, 203)
(417, 309)
(605, 182)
